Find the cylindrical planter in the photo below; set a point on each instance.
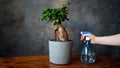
(60, 52)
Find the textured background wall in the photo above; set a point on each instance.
(21, 33)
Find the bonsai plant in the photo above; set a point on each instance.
(57, 16)
(61, 47)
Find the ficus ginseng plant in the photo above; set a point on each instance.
(57, 16)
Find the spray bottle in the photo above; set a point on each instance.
(87, 53)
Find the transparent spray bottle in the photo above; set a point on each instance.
(87, 53)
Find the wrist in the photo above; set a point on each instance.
(97, 40)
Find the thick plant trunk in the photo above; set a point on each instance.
(60, 33)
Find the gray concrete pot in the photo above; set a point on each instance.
(60, 52)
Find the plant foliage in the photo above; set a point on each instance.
(57, 15)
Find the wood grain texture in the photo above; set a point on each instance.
(43, 62)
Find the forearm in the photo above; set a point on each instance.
(113, 40)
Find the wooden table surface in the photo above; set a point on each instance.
(43, 62)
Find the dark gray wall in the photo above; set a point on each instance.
(21, 33)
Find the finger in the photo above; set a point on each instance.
(84, 41)
(86, 35)
(82, 37)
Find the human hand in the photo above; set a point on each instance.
(92, 38)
